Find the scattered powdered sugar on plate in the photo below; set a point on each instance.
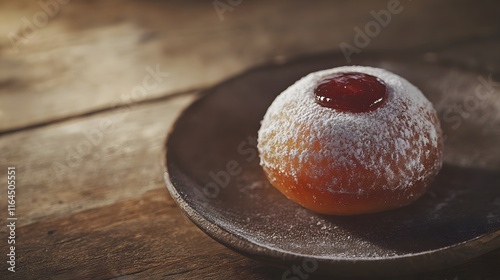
(296, 132)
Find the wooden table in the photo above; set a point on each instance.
(88, 90)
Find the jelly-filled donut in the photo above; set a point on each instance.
(351, 140)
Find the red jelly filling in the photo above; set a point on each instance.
(351, 92)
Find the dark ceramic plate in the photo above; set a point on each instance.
(213, 173)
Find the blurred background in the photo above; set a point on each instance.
(66, 58)
(89, 89)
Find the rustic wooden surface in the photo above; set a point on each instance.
(90, 197)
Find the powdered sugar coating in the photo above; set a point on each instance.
(395, 143)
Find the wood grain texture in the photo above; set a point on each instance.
(148, 238)
(89, 162)
(143, 238)
(91, 55)
(111, 216)
(91, 198)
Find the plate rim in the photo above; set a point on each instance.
(274, 256)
